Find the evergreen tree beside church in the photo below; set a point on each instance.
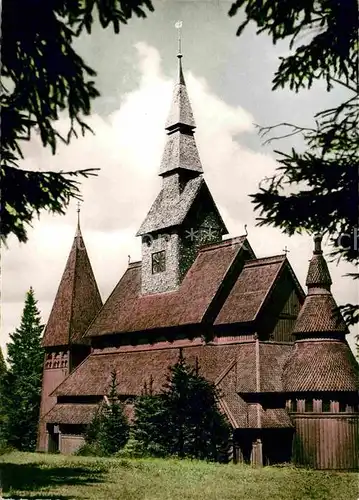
(184, 419)
(22, 381)
(2, 403)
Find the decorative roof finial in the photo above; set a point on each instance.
(178, 26)
(78, 230)
(78, 210)
(318, 244)
(285, 250)
(246, 230)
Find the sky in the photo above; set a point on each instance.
(229, 84)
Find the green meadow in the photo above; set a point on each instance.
(35, 475)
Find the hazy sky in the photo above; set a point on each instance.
(229, 84)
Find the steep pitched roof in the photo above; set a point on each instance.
(180, 150)
(126, 310)
(180, 153)
(318, 273)
(181, 110)
(250, 290)
(321, 365)
(321, 359)
(319, 314)
(77, 300)
(168, 211)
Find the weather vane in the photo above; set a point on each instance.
(178, 26)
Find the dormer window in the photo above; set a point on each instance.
(158, 262)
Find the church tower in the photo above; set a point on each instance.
(321, 378)
(184, 215)
(76, 304)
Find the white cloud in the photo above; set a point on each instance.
(127, 147)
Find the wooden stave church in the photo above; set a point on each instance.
(287, 377)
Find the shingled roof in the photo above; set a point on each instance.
(321, 359)
(319, 314)
(75, 414)
(126, 310)
(218, 363)
(251, 289)
(230, 367)
(77, 300)
(181, 110)
(321, 365)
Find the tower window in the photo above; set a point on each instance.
(158, 262)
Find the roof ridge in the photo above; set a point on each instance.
(136, 263)
(224, 243)
(270, 288)
(260, 260)
(77, 235)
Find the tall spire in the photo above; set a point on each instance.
(180, 150)
(77, 299)
(180, 115)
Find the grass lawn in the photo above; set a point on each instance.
(62, 477)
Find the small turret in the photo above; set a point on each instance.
(319, 316)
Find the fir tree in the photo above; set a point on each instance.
(149, 431)
(315, 186)
(2, 402)
(2, 366)
(22, 382)
(197, 428)
(183, 419)
(113, 426)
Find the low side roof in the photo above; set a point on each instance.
(71, 414)
(134, 368)
(321, 365)
(218, 363)
(126, 310)
(231, 367)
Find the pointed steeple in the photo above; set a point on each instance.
(319, 315)
(318, 273)
(183, 206)
(321, 359)
(180, 151)
(180, 114)
(77, 300)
